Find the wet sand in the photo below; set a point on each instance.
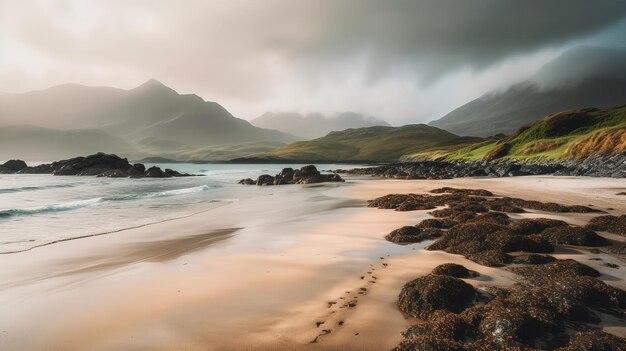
(274, 272)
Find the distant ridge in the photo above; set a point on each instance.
(151, 111)
(315, 125)
(372, 144)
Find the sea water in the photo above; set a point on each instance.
(39, 210)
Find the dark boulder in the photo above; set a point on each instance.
(429, 294)
(265, 179)
(39, 169)
(14, 165)
(155, 172)
(247, 181)
(305, 175)
(137, 170)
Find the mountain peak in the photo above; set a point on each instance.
(153, 85)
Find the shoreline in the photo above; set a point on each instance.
(282, 268)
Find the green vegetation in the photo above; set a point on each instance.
(564, 135)
(375, 144)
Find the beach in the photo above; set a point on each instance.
(295, 267)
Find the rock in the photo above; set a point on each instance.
(594, 166)
(454, 270)
(305, 175)
(101, 165)
(265, 179)
(608, 223)
(409, 234)
(566, 235)
(14, 166)
(247, 181)
(137, 170)
(39, 169)
(155, 172)
(429, 294)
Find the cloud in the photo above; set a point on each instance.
(376, 57)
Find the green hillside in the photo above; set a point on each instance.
(564, 135)
(374, 144)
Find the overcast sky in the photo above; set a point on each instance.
(404, 61)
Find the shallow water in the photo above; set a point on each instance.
(40, 209)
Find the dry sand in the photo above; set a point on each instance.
(257, 274)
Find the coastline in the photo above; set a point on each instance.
(185, 284)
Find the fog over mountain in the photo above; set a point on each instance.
(403, 61)
(582, 77)
(315, 125)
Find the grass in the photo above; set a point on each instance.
(375, 144)
(565, 135)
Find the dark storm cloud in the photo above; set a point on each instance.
(377, 57)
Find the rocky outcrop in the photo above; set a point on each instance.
(305, 175)
(101, 165)
(12, 166)
(613, 166)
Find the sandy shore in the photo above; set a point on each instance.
(261, 273)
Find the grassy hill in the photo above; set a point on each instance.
(564, 135)
(374, 144)
(581, 77)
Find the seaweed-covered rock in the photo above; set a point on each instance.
(556, 268)
(410, 234)
(565, 235)
(504, 205)
(429, 294)
(430, 343)
(478, 192)
(443, 223)
(481, 242)
(594, 340)
(529, 226)
(402, 202)
(492, 217)
(609, 223)
(533, 259)
(454, 270)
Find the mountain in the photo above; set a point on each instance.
(581, 77)
(43, 144)
(151, 112)
(570, 134)
(373, 144)
(315, 125)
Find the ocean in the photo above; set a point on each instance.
(38, 210)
